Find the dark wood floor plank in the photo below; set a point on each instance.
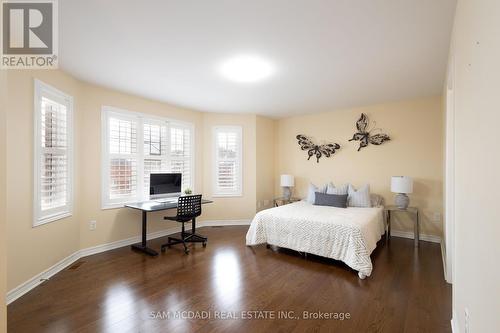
(117, 291)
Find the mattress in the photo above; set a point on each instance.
(346, 234)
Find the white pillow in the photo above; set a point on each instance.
(311, 196)
(359, 198)
(341, 190)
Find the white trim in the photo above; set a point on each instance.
(215, 130)
(221, 223)
(38, 279)
(443, 256)
(39, 90)
(450, 169)
(455, 328)
(410, 235)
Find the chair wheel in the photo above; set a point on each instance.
(204, 244)
(186, 251)
(162, 249)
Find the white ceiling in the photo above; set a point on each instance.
(328, 54)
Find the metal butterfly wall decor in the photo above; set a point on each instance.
(365, 136)
(327, 149)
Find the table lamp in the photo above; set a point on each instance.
(402, 185)
(287, 182)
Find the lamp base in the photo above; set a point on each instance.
(401, 201)
(287, 192)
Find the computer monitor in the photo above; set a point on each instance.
(163, 185)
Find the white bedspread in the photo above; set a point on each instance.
(347, 234)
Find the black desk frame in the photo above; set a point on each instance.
(152, 206)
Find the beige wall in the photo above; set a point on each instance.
(265, 161)
(3, 229)
(476, 272)
(45, 245)
(33, 250)
(269, 146)
(233, 208)
(118, 224)
(415, 149)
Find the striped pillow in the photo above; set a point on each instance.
(360, 197)
(331, 189)
(311, 192)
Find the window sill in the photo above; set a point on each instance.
(238, 195)
(115, 206)
(53, 218)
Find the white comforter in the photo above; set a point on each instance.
(347, 234)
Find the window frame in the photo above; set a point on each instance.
(41, 89)
(141, 118)
(228, 128)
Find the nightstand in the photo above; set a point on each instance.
(389, 210)
(282, 201)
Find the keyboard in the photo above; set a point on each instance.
(167, 200)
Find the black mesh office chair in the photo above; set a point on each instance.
(188, 209)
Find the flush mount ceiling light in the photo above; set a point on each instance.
(246, 68)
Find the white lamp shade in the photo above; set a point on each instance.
(287, 181)
(401, 184)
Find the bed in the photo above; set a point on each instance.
(346, 234)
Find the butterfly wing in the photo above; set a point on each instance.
(304, 142)
(363, 142)
(357, 136)
(362, 123)
(378, 139)
(318, 154)
(310, 153)
(329, 149)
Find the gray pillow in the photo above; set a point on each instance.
(359, 198)
(312, 190)
(334, 200)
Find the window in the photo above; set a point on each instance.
(128, 161)
(53, 154)
(228, 152)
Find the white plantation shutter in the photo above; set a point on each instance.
(155, 150)
(228, 157)
(53, 154)
(122, 158)
(134, 146)
(180, 153)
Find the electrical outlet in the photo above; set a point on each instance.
(466, 320)
(93, 225)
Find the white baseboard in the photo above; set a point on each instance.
(35, 281)
(454, 324)
(410, 235)
(216, 223)
(126, 242)
(443, 255)
(38, 279)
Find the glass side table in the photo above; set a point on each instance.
(283, 201)
(411, 210)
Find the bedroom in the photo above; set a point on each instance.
(245, 103)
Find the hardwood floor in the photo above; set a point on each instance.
(124, 291)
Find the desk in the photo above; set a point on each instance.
(153, 206)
